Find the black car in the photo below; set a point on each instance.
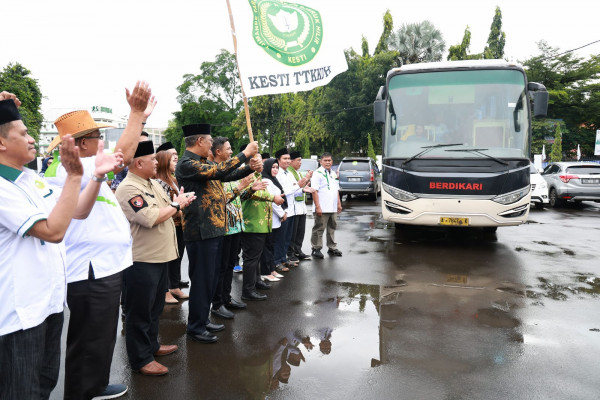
(359, 175)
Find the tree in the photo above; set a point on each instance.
(496, 39)
(460, 51)
(420, 42)
(16, 79)
(556, 154)
(388, 26)
(370, 149)
(574, 90)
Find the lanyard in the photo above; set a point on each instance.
(326, 175)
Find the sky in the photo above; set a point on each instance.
(86, 53)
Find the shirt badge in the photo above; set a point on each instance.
(137, 203)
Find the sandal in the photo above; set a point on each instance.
(281, 268)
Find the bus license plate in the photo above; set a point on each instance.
(454, 221)
(353, 179)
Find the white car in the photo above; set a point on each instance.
(539, 189)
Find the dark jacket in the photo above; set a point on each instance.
(205, 217)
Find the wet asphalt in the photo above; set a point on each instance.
(405, 314)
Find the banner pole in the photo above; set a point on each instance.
(246, 109)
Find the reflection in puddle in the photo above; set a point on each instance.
(305, 359)
(563, 291)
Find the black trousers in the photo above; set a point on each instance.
(229, 258)
(267, 258)
(252, 248)
(175, 265)
(297, 235)
(205, 260)
(30, 360)
(92, 333)
(146, 287)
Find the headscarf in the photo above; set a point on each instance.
(45, 164)
(266, 173)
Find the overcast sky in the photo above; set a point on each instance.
(85, 53)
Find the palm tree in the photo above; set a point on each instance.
(419, 42)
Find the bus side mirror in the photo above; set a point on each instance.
(540, 104)
(379, 111)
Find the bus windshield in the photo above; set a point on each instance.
(484, 110)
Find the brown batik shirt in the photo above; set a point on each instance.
(205, 217)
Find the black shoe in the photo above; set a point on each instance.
(334, 252)
(262, 285)
(254, 296)
(234, 304)
(294, 259)
(316, 253)
(215, 327)
(223, 312)
(184, 284)
(204, 337)
(302, 256)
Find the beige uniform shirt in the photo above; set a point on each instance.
(141, 199)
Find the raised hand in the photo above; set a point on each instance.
(69, 156)
(150, 107)
(244, 183)
(107, 162)
(138, 99)
(6, 95)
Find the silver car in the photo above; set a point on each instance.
(359, 175)
(572, 182)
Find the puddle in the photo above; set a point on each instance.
(580, 285)
(313, 360)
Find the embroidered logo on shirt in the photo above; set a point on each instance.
(137, 203)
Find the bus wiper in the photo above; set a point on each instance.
(429, 148)
(479, 151)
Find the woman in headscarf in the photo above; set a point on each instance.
(45, 164)
(268, 269)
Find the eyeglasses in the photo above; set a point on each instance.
(101, 137)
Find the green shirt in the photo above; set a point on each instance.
(258, 212)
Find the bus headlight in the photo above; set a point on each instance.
(398, 193)
(512, 197)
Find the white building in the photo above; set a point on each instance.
(100, 114)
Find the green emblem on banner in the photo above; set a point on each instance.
(290, 33)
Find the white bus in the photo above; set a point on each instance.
(456, 143)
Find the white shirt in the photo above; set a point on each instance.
(102, 239)
(278, 211)
(291, 189)
(327, 187)
(32, 271)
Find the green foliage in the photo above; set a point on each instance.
(556, 154)
(496, 39)
(370, 149)
(420, 42)
(461, 51)
(388, 26)
(16, 79)
(574, 90)
(365, 47)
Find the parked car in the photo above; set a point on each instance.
(359, 175)
(539, 188)
(572, 182)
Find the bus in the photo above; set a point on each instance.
(456, 143)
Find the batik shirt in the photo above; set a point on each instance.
(258, 212)
(235, 218)
(205, 217)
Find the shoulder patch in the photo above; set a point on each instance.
(137, 203)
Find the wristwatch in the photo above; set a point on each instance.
(176, 205)
(96, 179)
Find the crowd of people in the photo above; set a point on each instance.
(69, 238)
